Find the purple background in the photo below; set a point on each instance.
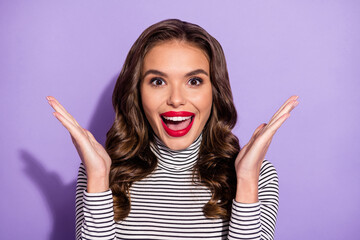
(74, 50)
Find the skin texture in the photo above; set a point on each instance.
(169, 84)
(172, 88)
(93, 155)
(250, 158)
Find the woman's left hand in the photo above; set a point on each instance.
(250, 158)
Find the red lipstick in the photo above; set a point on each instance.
(177, 124)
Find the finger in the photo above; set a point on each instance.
(244, 149)
(270, 130)
(78, 137)
(73, 130)
(276, 125)
(91, 136)
(292, 98)
(59, 108)
(55, 104)
(242, 152)
(258, 129)
(287, 109)
(63, 113)
(51, 98)
(256, 133)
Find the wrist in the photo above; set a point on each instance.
(97, 184)
(247, 191)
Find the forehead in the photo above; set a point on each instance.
(176, 54)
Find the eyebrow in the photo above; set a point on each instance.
(197, 71)
(156, 72)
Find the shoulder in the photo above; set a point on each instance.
(268, 174)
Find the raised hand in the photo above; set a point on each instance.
(251, 156)
(93, 155)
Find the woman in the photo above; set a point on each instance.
(172, 169)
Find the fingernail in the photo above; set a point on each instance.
(48, 98)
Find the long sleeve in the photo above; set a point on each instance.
(94, 212)
(167, 205)
(257, 220)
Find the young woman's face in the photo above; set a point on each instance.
(176, 92)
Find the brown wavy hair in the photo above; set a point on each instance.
(128, 140)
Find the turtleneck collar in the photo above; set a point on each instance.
(176, 160)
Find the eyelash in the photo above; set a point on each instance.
(153, 81)
(199, 80)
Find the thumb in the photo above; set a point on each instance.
(258, 129)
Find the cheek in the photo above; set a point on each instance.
(146, 104)
(203, 102)
(150, 115)
(150, 103)
(207, 108)
(206, 100)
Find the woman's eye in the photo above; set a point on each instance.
(195, 81)
(157, 82)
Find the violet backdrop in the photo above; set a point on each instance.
(74, 50)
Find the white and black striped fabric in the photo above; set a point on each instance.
(168, 205)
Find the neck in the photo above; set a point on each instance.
(176, 160)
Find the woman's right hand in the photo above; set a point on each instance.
(96, 160)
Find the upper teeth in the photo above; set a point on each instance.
(177, 118)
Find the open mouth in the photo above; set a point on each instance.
(177, 124)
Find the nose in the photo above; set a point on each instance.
(176, 97)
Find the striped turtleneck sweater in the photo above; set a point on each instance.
(167, 204)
